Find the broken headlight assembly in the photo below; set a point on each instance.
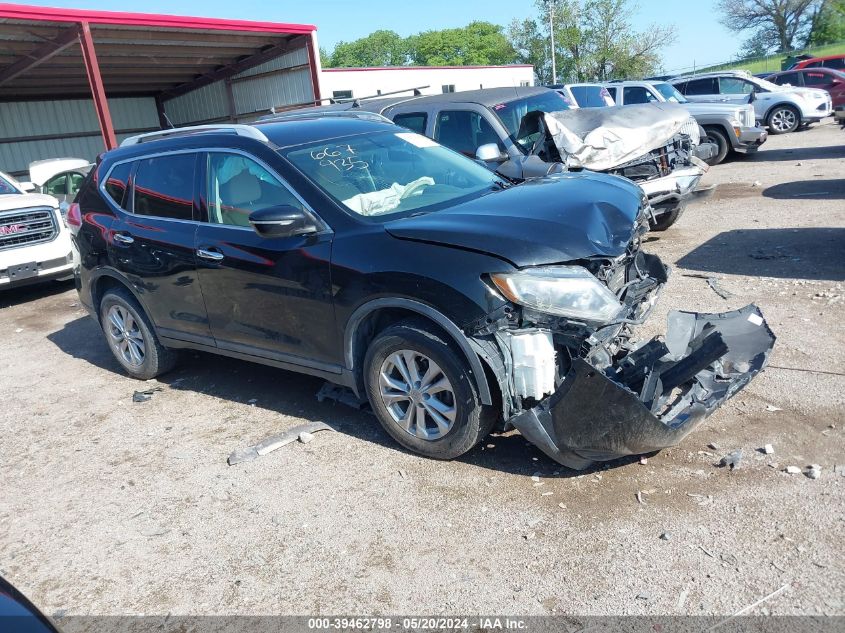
(567, 291)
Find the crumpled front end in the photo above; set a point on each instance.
(652, 396)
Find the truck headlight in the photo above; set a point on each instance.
(569, 291)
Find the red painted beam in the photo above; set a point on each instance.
(314, 62)
(49, 14)
(95, 81)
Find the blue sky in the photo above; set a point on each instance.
(701, 39)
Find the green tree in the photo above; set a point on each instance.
(380, 48)
(531, 46)
(828, 24)
(478, 43)
(594, 40)
(790, 22)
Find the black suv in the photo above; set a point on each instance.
(358, 251)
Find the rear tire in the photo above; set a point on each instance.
(422, 392)
(131, 336)
(783, 119)
(718, 137)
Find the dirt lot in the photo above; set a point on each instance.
(114, 507)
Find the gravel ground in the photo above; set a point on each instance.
(115, 507)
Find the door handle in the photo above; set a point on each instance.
(212, 255)
(123, 238)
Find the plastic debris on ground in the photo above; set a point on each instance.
(143, 396)
(275, 442)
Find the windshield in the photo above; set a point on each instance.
(511, 113)
(6, 185)
(391, 172)
(670, 93)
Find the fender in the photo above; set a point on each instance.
(112, 273)
(427, 311)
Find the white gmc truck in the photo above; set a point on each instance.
(35, 243)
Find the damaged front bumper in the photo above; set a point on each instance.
(667, 193)
(654, 395)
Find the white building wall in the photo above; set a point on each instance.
(364, 82)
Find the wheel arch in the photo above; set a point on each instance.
(374, 316)
(107, 280)
(781, 104)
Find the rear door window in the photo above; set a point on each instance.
(591, 96)
(56, 186)
(705, 86)
(164, 186)
(414, 121)
(117, 184)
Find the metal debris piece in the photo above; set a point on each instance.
(713, 446)
(340, 394)
(403, 474)
(640, 498)
(732, 459)
(771, 407)
(143, 396)
(275, 441)
(792, 470)
(714, 285)
(768, 449)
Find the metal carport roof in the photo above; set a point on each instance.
(63, 53)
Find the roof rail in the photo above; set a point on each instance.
(314, 114)
(241, 130)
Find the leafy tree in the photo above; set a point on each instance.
(760, 44)
(828, 24)
(790, 21)
(478, 43)
(380, 48)
(531, 46)
(594, 40)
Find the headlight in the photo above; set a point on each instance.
(569, 291)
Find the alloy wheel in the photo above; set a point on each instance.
(783, 120)
(125, 335)
(417, 394)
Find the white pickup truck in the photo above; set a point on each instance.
(35, 244)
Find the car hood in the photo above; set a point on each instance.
(702, 108)
(551, 220)
(12, 201)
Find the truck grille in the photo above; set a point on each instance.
(23, 227)
(690, 128)
(747, 117)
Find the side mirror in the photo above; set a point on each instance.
(281, 221)
(28, 186)
(490, 153)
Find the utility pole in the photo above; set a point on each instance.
(551, 4)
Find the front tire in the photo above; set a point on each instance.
(131, 338)
(783, 119)
(422, 392)
(667, 218)
(718, 137)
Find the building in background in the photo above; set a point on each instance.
(349, 83)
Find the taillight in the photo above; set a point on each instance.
(74, 215)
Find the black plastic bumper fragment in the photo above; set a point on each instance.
(650, 402)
